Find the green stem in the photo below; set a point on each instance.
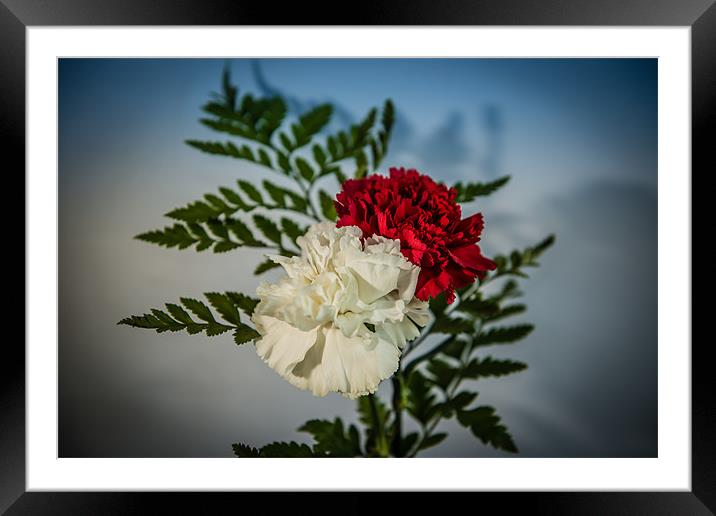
(452, 389)
(396, 444)
(426, 331)
(428, 430)
(429, 354)
(381, 443)
(293, 174)
(307, 193)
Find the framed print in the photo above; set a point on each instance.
(443, 251)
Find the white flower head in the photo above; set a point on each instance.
(340, 318)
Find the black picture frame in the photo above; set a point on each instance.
(16, 15)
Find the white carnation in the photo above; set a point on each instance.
(313, 322)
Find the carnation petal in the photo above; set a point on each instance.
(471, 257)
(339, 319)
(375, 280)
(352, 366)
(282, 345)
(425, 217)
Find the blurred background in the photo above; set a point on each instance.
(578, 137)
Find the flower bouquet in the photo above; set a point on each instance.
(366, 276)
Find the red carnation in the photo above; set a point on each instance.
(424, 216)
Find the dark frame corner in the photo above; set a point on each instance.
(16, 15)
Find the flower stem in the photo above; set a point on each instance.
(430, 428)
(449, 393)
(429, 354)
(396, 444)
(381, 443)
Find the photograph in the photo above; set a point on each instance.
(358, 257)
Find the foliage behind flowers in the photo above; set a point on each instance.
(351, 309)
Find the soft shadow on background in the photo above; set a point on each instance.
(578, 137)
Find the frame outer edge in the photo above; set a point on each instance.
(12, 141)
(12, 130)
(703, 113)
(322, 12)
